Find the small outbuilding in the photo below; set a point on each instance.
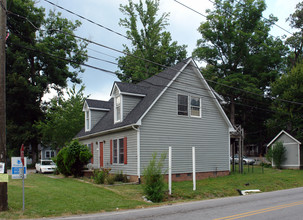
(293, 150)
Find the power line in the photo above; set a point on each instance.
(155, 63)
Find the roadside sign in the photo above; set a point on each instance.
(17, 168)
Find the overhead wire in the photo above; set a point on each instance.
(163, 66)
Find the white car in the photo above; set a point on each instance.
(45, 166)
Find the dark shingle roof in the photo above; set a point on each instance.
(151, 88)
(92, 103)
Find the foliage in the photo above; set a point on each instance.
(99, 176)
(153, 181)
(278, 154)
(150, 42)
(288, 114)
(110, 179)
(71, 159)
(120, 177)
(269, 154)
(241, 54)
(295, 41)
(63, 119)
(31, 71)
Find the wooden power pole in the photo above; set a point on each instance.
(3, 185)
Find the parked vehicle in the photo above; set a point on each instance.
(45, 166)
(246, 160)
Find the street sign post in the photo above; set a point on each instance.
(17, 168)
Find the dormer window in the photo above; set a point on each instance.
(118, 111)
(87, 120)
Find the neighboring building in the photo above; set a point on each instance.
(293, 151)
(175, 108)
(46, 153)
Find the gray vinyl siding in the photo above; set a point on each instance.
(129, 102)
(131, 167)
(292, 153)
(96, 115)
(163, 127)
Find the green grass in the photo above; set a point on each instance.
(45, 196)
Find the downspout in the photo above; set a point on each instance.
(138, 153)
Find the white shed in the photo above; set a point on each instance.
(293, 151)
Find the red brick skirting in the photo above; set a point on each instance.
(175, 177)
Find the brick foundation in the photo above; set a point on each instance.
(175, 177)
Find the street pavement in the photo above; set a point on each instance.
(284, 204)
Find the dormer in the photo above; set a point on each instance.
(94, 110)
(126, 96)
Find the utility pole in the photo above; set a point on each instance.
(3, 185)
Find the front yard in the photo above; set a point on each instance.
(50, 195)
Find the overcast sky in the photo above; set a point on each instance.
(183, 28)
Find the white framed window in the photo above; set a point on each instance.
(183, 105)
(49, 154)
(118, 151)
(87, 120)
(118, 108)
(189, 106)
(195, 106)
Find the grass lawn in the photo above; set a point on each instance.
(45, 196)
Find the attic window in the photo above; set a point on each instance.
(87, 120)
(118, 113)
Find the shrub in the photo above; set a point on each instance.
(278, 154)
(110, 179)
(99, 176)
(120, 177)
(71, 159)
(153, 181)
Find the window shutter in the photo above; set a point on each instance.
(125, 150)
(92, 151)
(111, 152)
(101, 154)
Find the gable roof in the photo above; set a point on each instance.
(283, 132)
(98, 104)
(151, 90)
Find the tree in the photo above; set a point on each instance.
(288, 114)
(241, 54)
(277, 154)
(64, 118)
(150, 42)
(32, 71)
(295, 42)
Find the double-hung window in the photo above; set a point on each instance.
(182, 105)
(118, 109)
(189, 106)
(118, 151)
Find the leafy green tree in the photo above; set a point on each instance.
(71, 159)
(31, 71)
(288, 114)
(64, 118)
(241, 54)
(295, 42)
(150, 42)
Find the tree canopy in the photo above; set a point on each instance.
(242, 58)
(150, 44)
(41, 54)
(64, 118)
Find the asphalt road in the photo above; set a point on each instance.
(284, 204)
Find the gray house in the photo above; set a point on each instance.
(174, 108)
(293, 150)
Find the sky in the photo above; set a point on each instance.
(183, 25)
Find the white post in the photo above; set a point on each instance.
(194, 168)
(169, 170)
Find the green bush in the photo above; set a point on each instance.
(278, 154)
(120, 177)
(99, 176)
(153, 180)
(72, 158)
(110, 179)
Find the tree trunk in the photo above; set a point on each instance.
(232, 112)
